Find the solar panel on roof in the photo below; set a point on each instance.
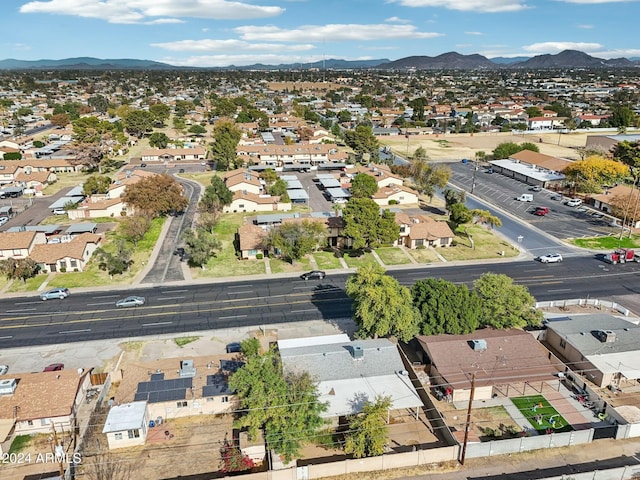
(210, 390)
(157, 376)
(141, 396)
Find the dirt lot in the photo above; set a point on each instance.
(463, 145)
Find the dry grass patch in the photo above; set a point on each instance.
(425, 255)
(486, 245)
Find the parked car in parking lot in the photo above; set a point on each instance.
(313, 274)
(132, 301)
(234, 347)
(536, 188)
(550, 258)
(58, 293)
(4, 369)
(541, 211)
(574, 202)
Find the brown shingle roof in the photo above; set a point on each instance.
(250, 237)
(52, 252)
(541, 160)
(511, 356)
(41, 395)
(16, 240)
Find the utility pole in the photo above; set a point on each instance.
(58, 451)
(475, 171)
(467, 424)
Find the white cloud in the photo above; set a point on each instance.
(473, 33)
(139, 11)
(334, 33)
(210, 45)
(594, 2)
(586, 27)
(468, 5)
(164, 21)
(397, 20)
(557, 47)
(243, 59)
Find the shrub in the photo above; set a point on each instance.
(259, 256)
(393, 202)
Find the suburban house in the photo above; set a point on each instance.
(32, 403)
(36, 180)
(499, 362)
(621, 195)
(243, 179)
(350, 373)
(124, 179)
(244, 201)
(423, 231)
(56, 165)
(545, 123)
(70, 255)
(290, 155)
(395, 194)
(19, 244)
(174, 388)
(382, 174)
(96, 207)
(9, 171)
(603, 348)
(127, 425)
(250, 239)
(174, 154)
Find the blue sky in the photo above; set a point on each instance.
(206, 33)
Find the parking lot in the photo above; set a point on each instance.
(561, 221)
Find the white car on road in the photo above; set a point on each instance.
(550, 258)
(132, 301)
(574, 202)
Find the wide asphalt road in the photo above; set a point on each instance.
(178, 309)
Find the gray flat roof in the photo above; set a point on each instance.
(330, 183)
(83, 227)
(61, 202)
(274, 217)
(129, 416)
(296, 194)
(294, 185)
(339, 192)
(76, 191)
(530, 171)
(289, 178)
(46, 229)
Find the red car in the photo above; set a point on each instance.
(54, 367)
(541, 211)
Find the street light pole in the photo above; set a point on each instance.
(473, 180)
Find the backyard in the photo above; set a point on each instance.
(540, 414)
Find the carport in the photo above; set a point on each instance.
(331, 166)
(330, 183)
(336, 193)
(529, 174)
(298, 195)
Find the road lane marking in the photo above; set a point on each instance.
(108, 296)
(6, 337)
(22, 310)
(560, 290)
(100, 303)
(28, 303)
(305, 310)
(239, 286)
(231, 316)
(155, 324)
(238, 293)
(175, 291)
(170, 298)
(84, 330)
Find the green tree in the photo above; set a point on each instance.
(138, 122)
(459, 214)
(216, 195)
(156, 196)
(159, 140)
(504, 304)
(485, 217)
(160, 112)
(427, 177)
(269, 176)
(381, 306)
(505, 150)
(60, 120)
(99, 103)
(295, 240)
(278, 188)
(368, 431)
(135, 227)
(286, 407)
(622, 116)
(115, 263)
(628, 153)
(91, 129)
(19, 268)
(533, 112)
(96, 184)
(226, 136)
(446, 308)
(12, 156)
(366, 226)
(200, 246)
(362, 141)
(197, 129)
(363, 186)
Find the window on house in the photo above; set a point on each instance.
(419, 242)
(118, 436)
(74, 263)
(563, 344)
(225, 399)
(134, 433)
(181, 404)
(44, 421)
(17, 251)
(63, 264)
(30, 423)
(241, 206)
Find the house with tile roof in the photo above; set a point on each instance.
(9, 170)
(32, 402)
(250, 241)
(349, 373)
(95, 207)
(381, 173)
(619, 195)
(395, 194)
(423, 231)
(70, 255)
(36, 180)
(19, 244)
(244, 179)
(174, 154)
(244, 201)
(501, 361)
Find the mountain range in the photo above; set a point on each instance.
(446, 61)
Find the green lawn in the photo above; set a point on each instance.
(425, 255)
(93, 276)
(486, 245)
(392, 256)
(31, 285)
(607, 243)
(281, 266)
(540, 414)
(327, 260)
(359, 261)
